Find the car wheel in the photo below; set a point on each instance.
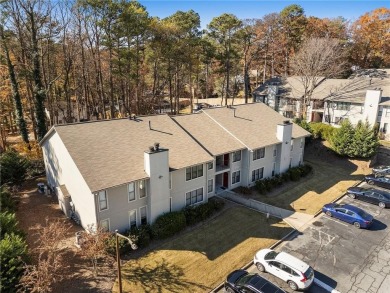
(328, 213)
(292, 285)
(229, 290)
(382, 205)
(357, 225)
(370, 182)
(351, 195)
(260, 267)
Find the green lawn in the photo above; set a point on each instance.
(327, 182)
(198, 260)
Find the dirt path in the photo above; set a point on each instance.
(33, 210)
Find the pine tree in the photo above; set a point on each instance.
(342, 139)
(365, 140)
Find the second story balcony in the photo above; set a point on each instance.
(222, 163)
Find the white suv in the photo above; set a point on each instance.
(297, 274)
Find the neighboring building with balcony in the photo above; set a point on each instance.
(333, 99)
(111, 173)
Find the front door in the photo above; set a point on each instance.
(225, 180)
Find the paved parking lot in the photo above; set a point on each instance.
(344, 257)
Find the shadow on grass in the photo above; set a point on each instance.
(161, 277)
(233, 227)
(328, 171)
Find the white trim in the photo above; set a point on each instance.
(185, 196)
(213, 187)
(98, 195)
(136, 223)
(146, 212)
(234, 176)
(138, 188)
(109, 224)
(128, 192)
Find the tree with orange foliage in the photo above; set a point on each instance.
(371, 39)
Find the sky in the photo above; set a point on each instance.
(207, 9)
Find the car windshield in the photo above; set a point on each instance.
(244, 279)
(271, 255)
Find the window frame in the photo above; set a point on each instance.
(236, 174)
(128, 192)
(100, 201)
(104, 220)
(208, 185)
(210, 166)
(130, 226)
(143, 182)
(146, 215)
(193, 194)
(259, 154)
(194, 172)
(237, 156)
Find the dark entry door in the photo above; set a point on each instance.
(226, 159)
(225, 180)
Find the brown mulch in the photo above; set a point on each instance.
(33, 210)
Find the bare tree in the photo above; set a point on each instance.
(317, 60)
(41, 277)
(93, 245)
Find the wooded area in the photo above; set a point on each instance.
(68, 61)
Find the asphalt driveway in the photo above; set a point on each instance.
(346, 258)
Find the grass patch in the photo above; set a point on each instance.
(198, 260)
(308, 195)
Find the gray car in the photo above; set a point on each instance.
(381, 170)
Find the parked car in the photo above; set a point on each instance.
(297, 274)
(378, 180)
(371, 195)
(241, 281)
(381, 170)
(349, 213)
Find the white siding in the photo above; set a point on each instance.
(61, 169)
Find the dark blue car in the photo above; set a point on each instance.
(348, 213)
(371, 195)
(240, 281)
(379, 180)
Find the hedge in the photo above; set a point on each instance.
(168, 225)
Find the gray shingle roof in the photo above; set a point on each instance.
(110, 153)
(208, 133)
(253, 126)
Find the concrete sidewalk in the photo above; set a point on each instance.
(295, 219)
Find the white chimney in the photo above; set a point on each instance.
(156, 164)
(371, 105)
(283, 133)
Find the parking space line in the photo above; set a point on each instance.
(324, 237)
(325, 286)
(337, 221)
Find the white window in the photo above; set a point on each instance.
(194, 196)
(142, 188)
(258, 154)
(103, 203)
(257, 174)
(131, 191)
(143, 215)
(237, 156)
(236, 177)
(194, 172)
(210, 185)
(133, 219)
(105, 225)
(210, 166)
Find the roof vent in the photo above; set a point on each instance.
(286, 122)
(151, 149)
(156, 146)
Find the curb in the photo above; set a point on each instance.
(338, 198)
(245, 267)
